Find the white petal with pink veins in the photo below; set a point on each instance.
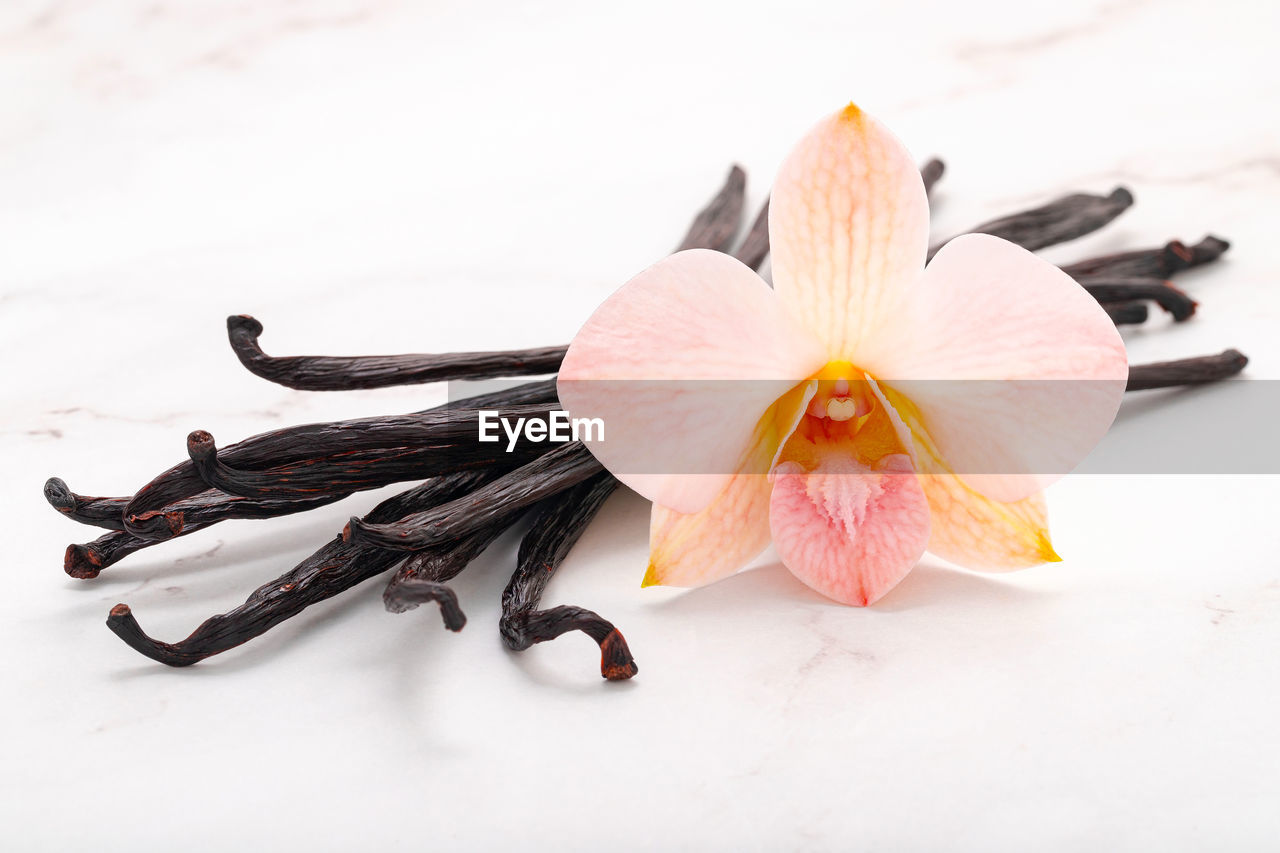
(680, 363)
(1016, 371)
(848, 230)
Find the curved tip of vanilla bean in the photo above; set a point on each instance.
(407, 594)
(522, 629)
(82, 562)
(59, 495)
(1122, 196)
(243, 331)
(123, 624)
(616, 662)
(204, 455)
(201, 447)
(930, 172)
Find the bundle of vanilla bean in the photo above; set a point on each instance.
(473, 492)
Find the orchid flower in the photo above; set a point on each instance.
(864, 409)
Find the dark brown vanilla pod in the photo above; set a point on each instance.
(1208, 250)
(95, 512)
(1127, 313)
(148, 516)
(415, 589)
(931, 172)
(1160, 262)
(556, 528)
(384, 451)
(332, 569)
(755, 247)
(1113, 288)
(183, 518)
(86, 561)
(89, 559)
(714, 228)
(208, 507)
(562, 468)
(1063, 219)
(344, 373)
(1186, 371)
(423, 576)
(716, 224)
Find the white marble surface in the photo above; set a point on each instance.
(376, 176)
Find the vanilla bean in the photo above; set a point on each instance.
(357, 456)
(1207, 250)
(1109, 288)
(334, 568)
(415, 589)
(1058, 221)
(85, 561)
(755, 247)
(1160, 262)
(422, 577)
(182, 518)
(564, 467)
(342, 373)
(205, 508)
(716, 224)
(556, 528)
(1127, 313)
(930, 173)
(713, 228)
(1186, 371)
(96, 512)
(185, 517)
(148, 515)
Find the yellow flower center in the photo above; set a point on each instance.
(844, 412)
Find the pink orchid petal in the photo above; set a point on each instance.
(680, 363)
(1015, 370)
(848, 230)
(849, 531)
(701, 548)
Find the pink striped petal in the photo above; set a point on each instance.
(848, 230)
(849, 531)
(1014, 370)
(680, 363)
